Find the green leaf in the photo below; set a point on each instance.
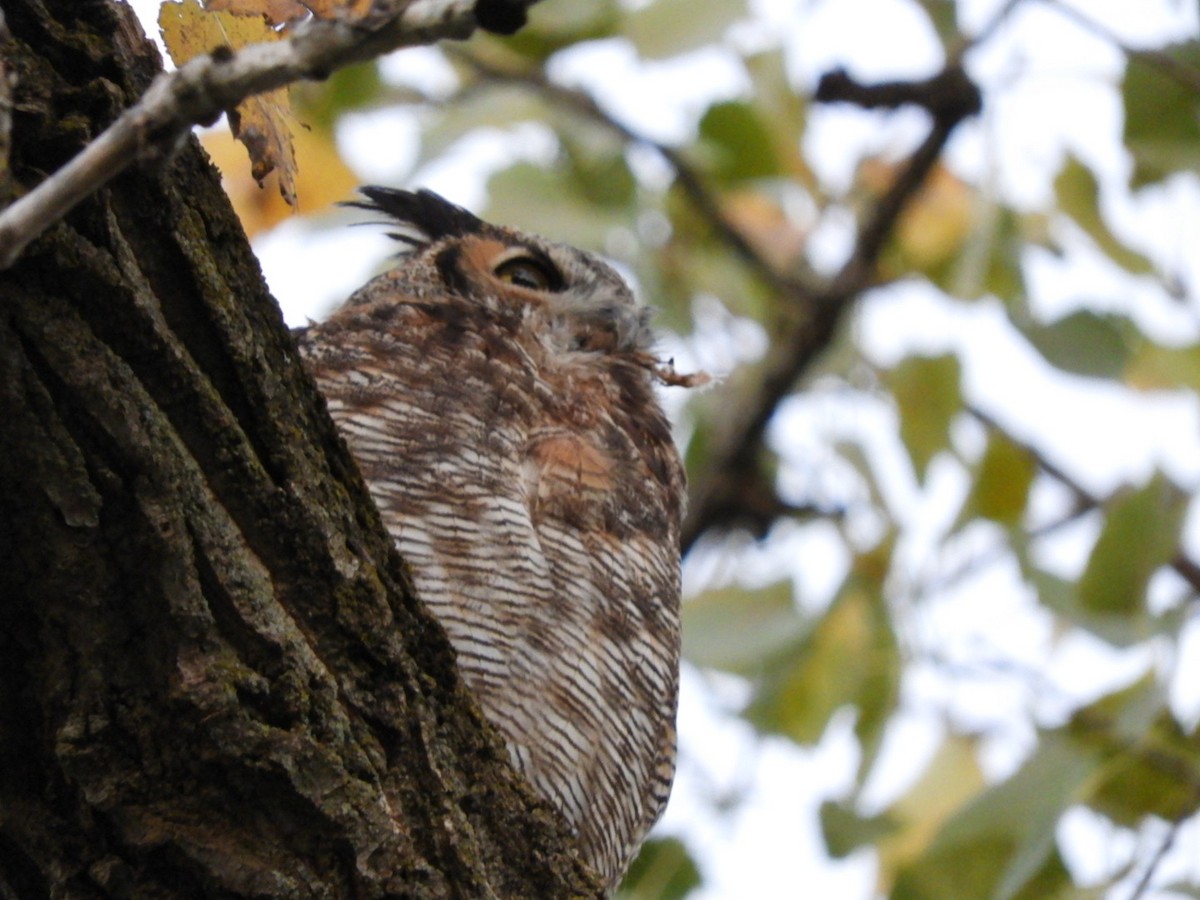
(552, 201)
(1159, 775)
(318, 105)
(694, 260)
(1180, 888)
(1079, 197)
(1002, 844)
(1149, 765)
(942, 17)
(845, 830)
(784, 111)
(738, 630)
(799, 694)
(1119, 719)
(1140, 535)
(599, 169)
(951, 779)
(991, 257)
(1002, 481)
(1062, 597)
(670, 27)
(661, 871)
(1162, 116)
(1086, 343)
(928, 396)
(738, 142)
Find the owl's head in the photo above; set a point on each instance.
(587, 305)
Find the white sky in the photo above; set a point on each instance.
(1051, 90)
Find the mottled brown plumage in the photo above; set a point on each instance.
(497, 391)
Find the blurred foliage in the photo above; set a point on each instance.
(959, 829)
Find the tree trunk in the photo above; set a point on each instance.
(214, 677)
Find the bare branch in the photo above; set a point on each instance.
(198, 92)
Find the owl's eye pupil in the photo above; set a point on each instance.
(528, 273)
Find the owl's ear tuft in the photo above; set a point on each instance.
(426, 216)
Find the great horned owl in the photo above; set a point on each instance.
(497, 390)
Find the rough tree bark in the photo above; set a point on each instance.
(214, 679)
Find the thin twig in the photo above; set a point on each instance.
(1164, 848)
(1001, 550)
(201, 90)
(1183, 565)
(991, 26)
(1181, 73)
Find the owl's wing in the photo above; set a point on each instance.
(610, 525)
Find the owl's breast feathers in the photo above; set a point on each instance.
(594, 438)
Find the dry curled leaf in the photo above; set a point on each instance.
(263, 122)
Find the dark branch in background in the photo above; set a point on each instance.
(950, 98)
(1183, 565)
(200, 91)
(945, 95)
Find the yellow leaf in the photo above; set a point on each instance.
(323, 178)
(762, 220)
(279, 12)
(189, 30)
(1155, 367)
(935, 223)
(276, 11)
(951, 779)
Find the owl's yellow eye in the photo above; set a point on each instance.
(526, 272)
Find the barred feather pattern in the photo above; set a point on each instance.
(497, 391)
